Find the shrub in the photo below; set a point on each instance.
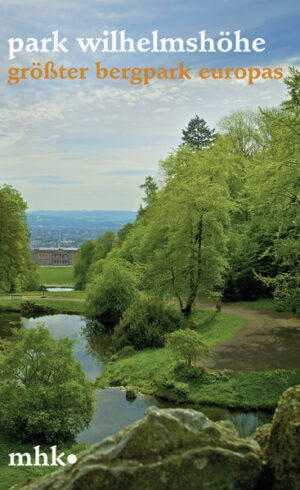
(187, 345)
(146, 323)
(111, 293)
(44, 395)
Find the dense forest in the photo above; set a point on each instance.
(221, 220)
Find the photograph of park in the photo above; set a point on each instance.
(150, 245)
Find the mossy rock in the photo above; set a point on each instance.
(283, 450)
(262, 436)
(171, 449)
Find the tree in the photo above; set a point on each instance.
(83, 261)
(111, 292)
(274, 193)
(242, 127)
(187, 345)
(182, 238)
(44, 394)
(198, 135)
(145, 324)
(123, 232)
(16, 267)
(150, 188)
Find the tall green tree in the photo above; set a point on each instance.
(181, 241)
(17, 270)
(150, 189)
(274, 189)
(83, 261)
(197, 134)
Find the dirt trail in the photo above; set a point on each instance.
(269, 340)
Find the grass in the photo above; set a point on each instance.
(57, 276)
(215, 328)
(72, 307)
(51, 294)
(153, 371)
(267, 304)
(13, 475)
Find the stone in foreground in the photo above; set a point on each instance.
(171, 449)
(283, 450)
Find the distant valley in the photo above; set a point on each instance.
(71, 228)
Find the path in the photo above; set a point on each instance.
(269, 340)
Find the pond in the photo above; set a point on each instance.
(114, 412)
(59, 290)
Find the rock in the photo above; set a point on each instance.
(130, 394)
(171, 449)
(262, 436)
(283, 451)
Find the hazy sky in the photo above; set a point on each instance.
(89, 144)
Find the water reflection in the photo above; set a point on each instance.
(114, 412)
(71, 326)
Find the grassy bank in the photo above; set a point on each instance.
(153, 371)
(57, 306)
(57, 276)
(10, 475)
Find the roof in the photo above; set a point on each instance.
(55, 249)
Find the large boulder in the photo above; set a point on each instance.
(283, 450)
(166, 450)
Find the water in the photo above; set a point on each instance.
(113, 411)
(59, 290)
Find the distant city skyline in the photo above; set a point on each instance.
(89, 144)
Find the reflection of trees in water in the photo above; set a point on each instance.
(9, 321)
(99, 344)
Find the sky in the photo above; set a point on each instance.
(89, 144)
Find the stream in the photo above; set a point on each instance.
(113, 411)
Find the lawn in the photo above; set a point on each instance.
(72, 307)
(58, 276)
(267, 304)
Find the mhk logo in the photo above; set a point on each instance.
(25, 459)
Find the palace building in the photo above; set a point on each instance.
(54, 256)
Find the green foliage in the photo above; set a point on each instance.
(180, 243)
(187, 345)
(123, 232)
(198, 135)
(44, 395)
(82, 264)
(145, 324)
(150, 188)
(17, 272)
(110, 293)
(90, 257)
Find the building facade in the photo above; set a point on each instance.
(54, 256)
